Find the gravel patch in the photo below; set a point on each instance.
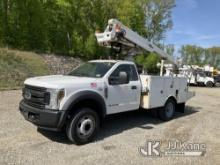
(119, 138)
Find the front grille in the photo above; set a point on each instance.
(36, 97)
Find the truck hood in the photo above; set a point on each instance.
(58, 81)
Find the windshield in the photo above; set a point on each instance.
(92, 69)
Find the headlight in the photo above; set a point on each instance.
(56, 97)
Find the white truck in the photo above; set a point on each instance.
(81, 100)
(201, 76)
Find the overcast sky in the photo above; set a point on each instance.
(195, 22)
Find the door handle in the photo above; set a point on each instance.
(133, 87)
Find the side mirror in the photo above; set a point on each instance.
(121, 79)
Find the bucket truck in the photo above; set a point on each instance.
(81, 100)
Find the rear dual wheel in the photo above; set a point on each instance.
(167, 112)
(209, 84)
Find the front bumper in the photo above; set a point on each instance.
(43, 118)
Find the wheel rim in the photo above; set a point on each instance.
(86, 126)
(209, 84)
(169, 109)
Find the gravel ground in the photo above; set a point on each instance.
(119, 138)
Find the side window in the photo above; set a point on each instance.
(134, 73)
(129, 69)
(121, 68)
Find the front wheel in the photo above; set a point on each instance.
(83, 126)
(167, 112)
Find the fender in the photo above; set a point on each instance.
(209, 79)
(171, 96)
(83, 95)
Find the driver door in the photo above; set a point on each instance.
(124, 97)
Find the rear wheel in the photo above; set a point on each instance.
(209, 84)
(167, 112)
(83, 126)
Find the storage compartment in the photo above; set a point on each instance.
(156, 90)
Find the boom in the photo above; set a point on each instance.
(120, 36)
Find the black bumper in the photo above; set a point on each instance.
(43, 118)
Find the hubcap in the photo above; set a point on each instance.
(169, 109)
(86, 126)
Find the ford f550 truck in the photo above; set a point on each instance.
(81, 100)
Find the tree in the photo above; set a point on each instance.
(169, 49)
(192, 54)
(1, 23)
(158, 18)
(4, 19)
(195, 55)
(68, 26)
(149, 62)
(212, 56)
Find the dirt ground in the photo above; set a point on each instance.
(119, 139)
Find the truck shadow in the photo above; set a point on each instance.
(116, 124)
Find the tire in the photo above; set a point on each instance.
(167, 112)
(83, 126)
(217, 84)
(209, 84)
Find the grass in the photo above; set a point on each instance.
(16, 66)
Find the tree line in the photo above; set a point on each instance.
(196, 55)
(68, 26)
